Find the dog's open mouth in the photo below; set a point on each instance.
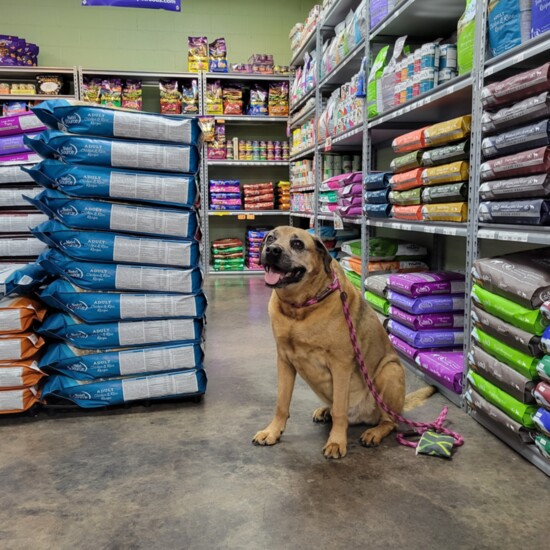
(277, 278)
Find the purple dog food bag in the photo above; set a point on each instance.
(403, 347)
(20, 158)
(427, 321)
(540, 17)
(19, 124)
(427, 304)
(11, 145)
(351, 190)
(424, 284)
(427, 338)
(445, 367)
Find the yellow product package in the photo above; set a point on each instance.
(448, 131)
(445, 212)
(446, 173)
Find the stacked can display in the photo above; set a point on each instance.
(20, 345)
(510, 358)
(254, 238)
(127, 305)
(16, 215)
(426, 323)
(515, 186)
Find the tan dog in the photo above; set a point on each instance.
(314, 342)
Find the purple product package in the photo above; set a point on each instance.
(427, 304)
(11, 145)
(19, 124)
(427, 321)
(427, 338)
(403, 347)
(540, 17)
(424, 284)
(356, 177)
(350, 211)
(351, 190)
(351, 201)
(19, 158)
(445, 367)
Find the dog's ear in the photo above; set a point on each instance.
(325, 256)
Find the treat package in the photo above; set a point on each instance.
(446, 173)
(524, 111)
(407, 212)
(49, 84)
(170, 97)
(218, 56)
(207, 124)
(190, 98)
(523, 277)
(278, 99)
(233, 99)
(111, 92)
(406, 198)
(214, 98)
(446, 212)
(258, 100)
(517, 87)
(18, 314)
(430, 283)
(410, 142)
(448, 131)
(132, 95)
(406, 180)
(521, 212)
(92, 90)
(197, 54)
(536, 134)
(447, 154)
(534, 186)
(451, 192)
(407, 162)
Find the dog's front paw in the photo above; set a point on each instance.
(335, 449)
(322, 414)
(267, 437)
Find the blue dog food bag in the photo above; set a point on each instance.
(106, 216)
(101, 246)
(504, 25)
(109, 183)
(20, 278)
(103, 393)
(100, 307)
(61, 358)
(117, 153)
(102, 276)
(100, 120)
(123, 334)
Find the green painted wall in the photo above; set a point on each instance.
(150, 40)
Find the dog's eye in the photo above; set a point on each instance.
(297, 245)
(269, 239)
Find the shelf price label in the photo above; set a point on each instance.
(338, 222)
(241, 217)
(250, 217)
(513, 236)
(328, 144)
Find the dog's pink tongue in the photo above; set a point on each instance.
(272, 277)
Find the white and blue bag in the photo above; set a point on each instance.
(103, 246)
(100, 120)
(118, 391)
(102, 307)
(122, 334)
(102, 276)
(117, 153)
(61, 358)
(110, 183)
(20, 278)
(108, 216)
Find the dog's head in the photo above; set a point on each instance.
(290, 256)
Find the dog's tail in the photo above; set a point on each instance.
(418, 397)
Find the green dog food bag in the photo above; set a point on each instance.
(542, 443)
(374, 84)
(529, 320)
(466, 31)
(413, 197)
(512, 407)
(522, 363)
(379, 304)
(410, 161)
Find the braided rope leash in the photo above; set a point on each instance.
(418, 427)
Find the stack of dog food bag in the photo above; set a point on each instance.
(127, 305)
(430, 177)
(283, 195)
(259, 196)
(16, 215)
(341, 195)
(511, 347)
(20, 345)
(427, 323)
(228, 255)
(515, 186)
(377, 192)
(254, 239)
(225, 195)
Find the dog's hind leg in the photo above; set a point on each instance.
(390, 384)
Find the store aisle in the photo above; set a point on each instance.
(187, 476)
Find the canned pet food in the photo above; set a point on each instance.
(447, 57)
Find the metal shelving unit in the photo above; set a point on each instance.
(29, 74)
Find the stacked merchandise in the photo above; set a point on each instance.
(259, 196)
(379, 10)
(304, 79)
(16, 216)
(341, 194)
(377, 192)
(303, 137)
(515, 186)
(283, 195)
(427, 323)
(329, 192)
(387, 256)
(228, 255)
(510, 337)
(253, 150)
(302, 202)
(20, 345)
(254, 239)
(335, 239)
(430, 179)
(116, 92)
(127, 306)
(335, 165)
(17, 52)
(300, 33)
(225, 195)
(302, 174)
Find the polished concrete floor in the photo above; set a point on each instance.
(186, 476)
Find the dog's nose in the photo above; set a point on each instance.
(273, 250)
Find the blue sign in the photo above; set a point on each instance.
(169, 5)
